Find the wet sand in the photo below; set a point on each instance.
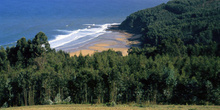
(115, 40)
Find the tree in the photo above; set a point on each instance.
(4, 64)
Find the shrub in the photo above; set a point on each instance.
(67, 100)
(57, 99)
(48, 102)
(5, 105)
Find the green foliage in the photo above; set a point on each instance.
(67, 100)
(57, 99)
(48, 102)
(179, 63)
(3, 60)
(5, 105)
(193, 22)
(146, 74)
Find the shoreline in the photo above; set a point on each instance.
(114, 39)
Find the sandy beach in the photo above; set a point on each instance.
(116, 40)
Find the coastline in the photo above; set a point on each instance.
(114, 39)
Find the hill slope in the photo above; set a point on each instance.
(179, 65)
(194, 21)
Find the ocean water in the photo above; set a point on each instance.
(65, 22)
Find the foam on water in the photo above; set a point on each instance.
(89, 33)
(64, 31)
(25, 18)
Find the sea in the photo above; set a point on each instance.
(65, 22)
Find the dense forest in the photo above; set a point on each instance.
(178, 63)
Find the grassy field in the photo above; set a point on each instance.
(118, 107)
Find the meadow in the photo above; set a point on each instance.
(117, 107)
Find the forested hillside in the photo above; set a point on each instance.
(194, 21)
(179, 63)
(179, 27)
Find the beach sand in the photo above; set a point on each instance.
(115, 40)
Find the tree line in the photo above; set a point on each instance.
(173, 66)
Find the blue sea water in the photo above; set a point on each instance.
(63, 21)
